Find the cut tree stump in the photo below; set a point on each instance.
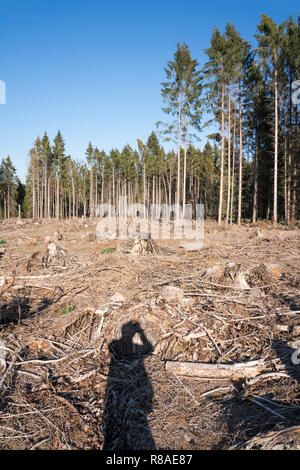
(220, 371)
(142, 246)
(55, 255)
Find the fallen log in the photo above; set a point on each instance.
(219, 371)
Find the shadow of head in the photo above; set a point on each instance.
(133, 342)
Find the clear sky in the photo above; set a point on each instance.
(93, 69)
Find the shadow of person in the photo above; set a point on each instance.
(129, 393)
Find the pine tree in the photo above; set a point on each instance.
(172, 91)
(47, 162)
(9, 185)
(214, 70)
(270, 40)
(58, 150)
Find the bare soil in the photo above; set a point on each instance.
(86, 370)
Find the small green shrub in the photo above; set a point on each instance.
(65, 310)
(107, 250)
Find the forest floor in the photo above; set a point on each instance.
(86, 335)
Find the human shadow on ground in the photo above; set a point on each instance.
(129, 393)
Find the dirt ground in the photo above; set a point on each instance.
(87, 330)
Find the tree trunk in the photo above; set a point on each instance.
(91, 193)
(48, 202)
(233, 166)
(275, 141)
(229, 156)
(240, 160)
(33, 193)
(184, 164)
(178, 153)
(254, 210)
(57, 197)
(8, 202)
(222, 161)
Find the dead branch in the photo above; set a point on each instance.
(8, 370)
(8, 284)
(219, 371)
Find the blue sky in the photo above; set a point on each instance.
(93, 69)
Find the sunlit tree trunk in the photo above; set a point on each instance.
(233, 167)
(240, 160)
(178, 152)
(222, 160)
(275, 217)
(254, 210)
(184, 163)
(229, 156)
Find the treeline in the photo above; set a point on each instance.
(248, 168)
(57, 186)
(12, 191)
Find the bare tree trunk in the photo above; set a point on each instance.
(275, 142)
(91, 193)
(289, 162)
(159, 189)
(294, 196)
(113, 186)
(57, 197)
(153, 189)
(144, 183)
(233, 166)
(42, 199)
(84, 200)
(294, 170)
(178, 152)
(38, 194)
(289, 186)
(33, 193)
(46, 190)
(229, 155)
(96, 193)
(184, 164)
(285, 171)
(73, 197)
(254, 210)
(241, 160)
(222, 161)
(48, 194)
(170, 189)
(8, 202)
(165, 188)
(102, 185)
